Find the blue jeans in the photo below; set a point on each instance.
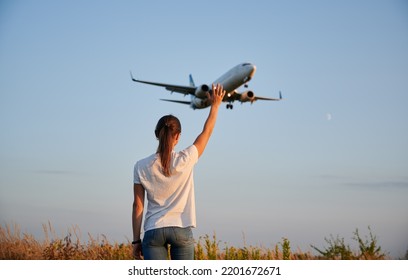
(181, 243)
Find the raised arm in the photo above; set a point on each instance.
(216, 98)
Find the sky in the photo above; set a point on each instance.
(330, 158)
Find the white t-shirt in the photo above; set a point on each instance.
(170, 200)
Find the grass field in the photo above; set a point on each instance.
(15, 245)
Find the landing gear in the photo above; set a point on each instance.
(230, 106)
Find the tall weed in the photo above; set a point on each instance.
(338, 250)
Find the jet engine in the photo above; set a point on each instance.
(198, 103)
(247, 96)
(201, 91)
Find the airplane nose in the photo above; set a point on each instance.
(253, 70)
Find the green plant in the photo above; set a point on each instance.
(286, 249)
(211, 246)
(336, 250)
(369, 249)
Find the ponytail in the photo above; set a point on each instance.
(166, 130)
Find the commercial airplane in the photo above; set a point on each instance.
(231, 81)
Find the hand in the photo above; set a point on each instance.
(217, 95)
(137, 251)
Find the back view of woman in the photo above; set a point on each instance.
(166, 178)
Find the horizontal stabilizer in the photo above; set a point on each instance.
(177, 101)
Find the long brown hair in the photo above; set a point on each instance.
(166, 130)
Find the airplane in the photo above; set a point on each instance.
(231, 81)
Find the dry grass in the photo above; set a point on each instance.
(15, 245)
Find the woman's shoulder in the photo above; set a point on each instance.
(147, 160)
(186, 156)
(189, 151)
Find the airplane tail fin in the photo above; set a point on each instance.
(280, 95)
(191, 81)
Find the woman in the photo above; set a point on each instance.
(166, 177)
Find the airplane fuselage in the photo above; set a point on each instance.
(236, 77)
(230, 81)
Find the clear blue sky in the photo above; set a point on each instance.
(330, 158)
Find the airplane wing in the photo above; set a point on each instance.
(169, 87)
(236, 96)
(266, 98)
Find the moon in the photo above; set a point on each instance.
(328, 116)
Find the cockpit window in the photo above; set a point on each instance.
(245, 64)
